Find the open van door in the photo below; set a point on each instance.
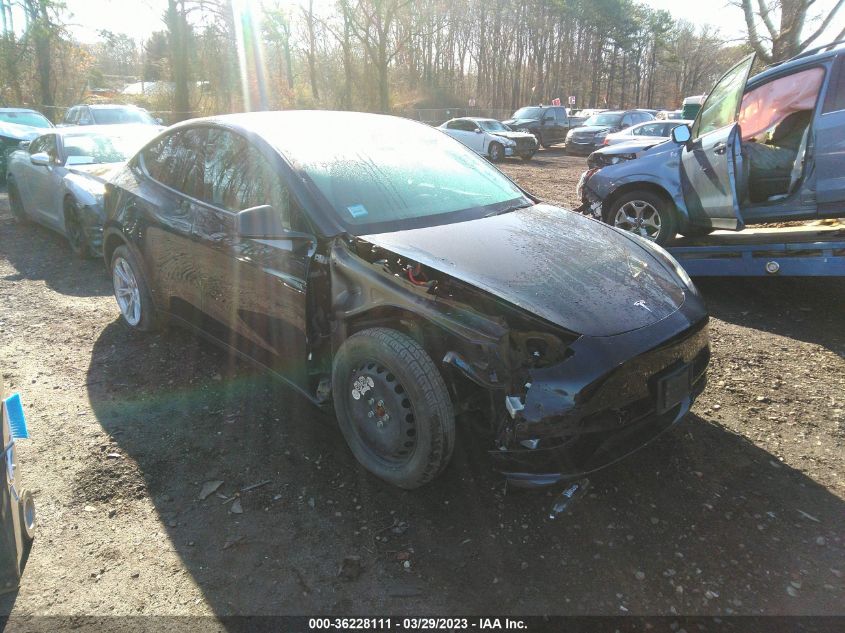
(711, 161)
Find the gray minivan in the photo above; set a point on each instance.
(768, 149)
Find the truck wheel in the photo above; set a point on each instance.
(496, 152)
(393, 407)
(643, 213)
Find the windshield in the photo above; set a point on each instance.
(110, 116)
(528, 113)
(103, 148)
(382, 174)
(604, 119)
(493, 126)
(33, 119)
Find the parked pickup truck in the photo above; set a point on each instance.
(550, 124)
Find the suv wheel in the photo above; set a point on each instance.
(393, 407)
(643, 213)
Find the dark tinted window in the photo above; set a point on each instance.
(72, 115)
(177, 161)
(627, 120)
(560, 115)
(37, 145)
(238, 176)
(834, 100)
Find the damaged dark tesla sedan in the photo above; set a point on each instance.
(381, 267)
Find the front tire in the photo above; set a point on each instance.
(393, 407)
(643, 213)
(75, 231)
(131, 292)
(527, 156)
(16, 204)
(496, 152)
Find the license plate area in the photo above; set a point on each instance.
(673, 387)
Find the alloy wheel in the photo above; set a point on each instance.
(640, 217)
(126, 291)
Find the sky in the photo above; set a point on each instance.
(139, 18)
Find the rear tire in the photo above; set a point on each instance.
(131, 292)
(16, 204)
(527, 156)
(393, 407)
(644, 213)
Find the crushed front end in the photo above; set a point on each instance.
(609, 397)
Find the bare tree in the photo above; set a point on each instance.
(784, 39)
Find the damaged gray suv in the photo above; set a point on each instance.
(768, 149)
(380, 267)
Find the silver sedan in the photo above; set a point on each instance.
(58, 179)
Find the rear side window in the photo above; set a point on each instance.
(85, 117)
(238, 176)
(177, 161)
(834, 100)
(560, 115)
(72, 115)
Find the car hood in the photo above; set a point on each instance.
(520, 122)
(513, 135)
(570, 270)
(634, 145)
(20, 132)
(96, 171)
(584, 130)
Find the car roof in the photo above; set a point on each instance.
(476, 118)
(20, 110)
(105, 106)
(804, 59)
(107, 130)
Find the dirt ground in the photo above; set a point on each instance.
(739, 510)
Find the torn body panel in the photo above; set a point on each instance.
(577, 402)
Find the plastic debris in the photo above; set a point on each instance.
(236, 507)
(565, 500)
(210, 487)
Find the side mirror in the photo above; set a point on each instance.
(681, 134)
(160, 121)
(41, 159)
(477, 130)
(265, 222)
(547, 119)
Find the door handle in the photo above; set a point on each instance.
(720, 148)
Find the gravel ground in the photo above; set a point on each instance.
(738, 510)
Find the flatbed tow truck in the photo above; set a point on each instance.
(795, 251)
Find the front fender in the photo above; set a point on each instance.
(658, 167)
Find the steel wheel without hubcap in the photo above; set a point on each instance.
(126, 291)
(381, 413)
(640, 217)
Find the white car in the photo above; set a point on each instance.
(645, 132)
(491, 138)
(58, 179)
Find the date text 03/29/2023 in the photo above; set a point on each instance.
(416, 624)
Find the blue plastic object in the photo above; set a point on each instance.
(16, 417)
